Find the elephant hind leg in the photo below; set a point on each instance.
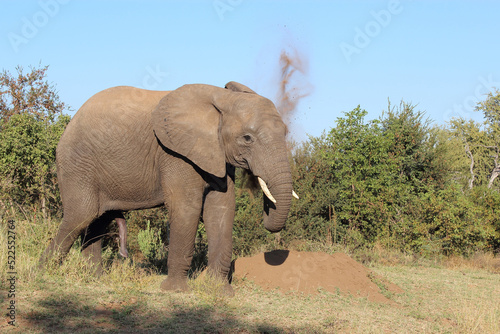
(68, 231)
(79, 212)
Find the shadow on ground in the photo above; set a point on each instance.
(77, 313)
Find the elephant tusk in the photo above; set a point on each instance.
(295, 194)
(266, 191)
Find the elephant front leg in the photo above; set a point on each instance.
(218, 216)
(183, 226)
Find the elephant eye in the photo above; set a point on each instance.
(248, 139)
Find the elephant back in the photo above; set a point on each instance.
(108, 125)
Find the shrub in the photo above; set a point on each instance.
(150, 243)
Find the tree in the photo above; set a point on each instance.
(491, 107)
(312, 215)
(481, 142)
(409, 134)
(473, 140)
(375, 181)
(28, 94)
(31, 123)
(491, 110)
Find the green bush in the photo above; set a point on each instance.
(249, 233)
(150, 243)
(137, 221)
(31, 123)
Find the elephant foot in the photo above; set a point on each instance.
(175, 284)
(228, 290)
(42, 263)
(96, 270)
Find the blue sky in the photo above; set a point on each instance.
(442, 55)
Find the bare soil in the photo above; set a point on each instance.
(310, 271)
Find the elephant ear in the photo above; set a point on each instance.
(187, 122)
(237, 87)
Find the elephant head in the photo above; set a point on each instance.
(212, 126)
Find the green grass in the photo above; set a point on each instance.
(440, 296)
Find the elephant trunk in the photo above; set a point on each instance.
(280, 187)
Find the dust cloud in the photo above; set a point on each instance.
(293, 85)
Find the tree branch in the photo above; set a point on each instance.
(469, 154)
(496, 169)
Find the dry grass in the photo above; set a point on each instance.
(441, 296)
(209, 289)
(435, 301)
(485, 261)
(477, 315)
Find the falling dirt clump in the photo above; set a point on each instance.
(307, 272)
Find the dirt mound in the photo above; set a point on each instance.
(306, 272)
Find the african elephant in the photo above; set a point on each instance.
(129, 148)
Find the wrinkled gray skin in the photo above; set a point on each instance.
(129, 149)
